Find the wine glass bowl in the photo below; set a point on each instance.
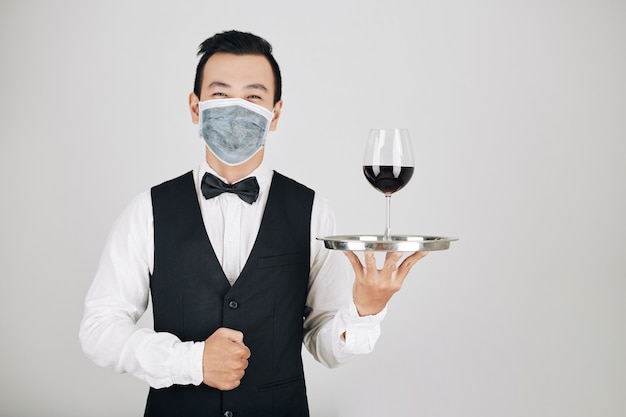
(388, 179)
(388, 164)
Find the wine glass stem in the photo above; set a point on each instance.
(387, 223)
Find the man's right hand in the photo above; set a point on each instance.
(225, 359)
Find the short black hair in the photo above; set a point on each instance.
(238, 43)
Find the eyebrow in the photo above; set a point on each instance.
(256, 86)
(218, 84)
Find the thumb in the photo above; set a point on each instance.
(234, 336)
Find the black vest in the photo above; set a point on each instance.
(192, 297)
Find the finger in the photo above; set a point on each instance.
(236, 364)
(230, 383)
(233, 335)
(239, 348)
(408, 263)
(391, 259)
(245, 353)
(354, 261)
(370, 262)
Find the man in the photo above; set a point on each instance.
(229, 256)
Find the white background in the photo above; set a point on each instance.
(517, 112)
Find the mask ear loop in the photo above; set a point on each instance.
(271, 120)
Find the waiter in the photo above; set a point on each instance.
(228, 254)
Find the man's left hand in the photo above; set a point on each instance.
(373, 287)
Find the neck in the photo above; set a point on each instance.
(235, 173)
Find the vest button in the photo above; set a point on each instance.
(228, 413)
(233, 304)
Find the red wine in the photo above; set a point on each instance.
(383, 178)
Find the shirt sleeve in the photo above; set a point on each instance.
(333, 330)
(118, 297)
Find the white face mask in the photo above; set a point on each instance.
(234, 129)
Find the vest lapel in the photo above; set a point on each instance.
(269, 227)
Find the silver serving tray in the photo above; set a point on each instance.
(396, 243)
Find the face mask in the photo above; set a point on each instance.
(234, 129)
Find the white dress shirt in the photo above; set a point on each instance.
(119, 294)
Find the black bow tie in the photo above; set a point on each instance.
(247, 190)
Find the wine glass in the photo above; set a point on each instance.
(388, 164)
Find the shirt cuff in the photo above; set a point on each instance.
(362, 332)
(187, 363)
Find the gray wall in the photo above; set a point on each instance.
(517, 111)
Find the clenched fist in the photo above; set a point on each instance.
(225, 359)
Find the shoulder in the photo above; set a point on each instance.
(134, 221)
(321, 205)
(186, 178)
(139, 207)
(289, 182)
(139, 211)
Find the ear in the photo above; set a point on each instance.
(277, 108)
(193, 108)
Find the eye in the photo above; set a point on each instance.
(218, 94)
(253, 97)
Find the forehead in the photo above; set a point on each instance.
(238, 70)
